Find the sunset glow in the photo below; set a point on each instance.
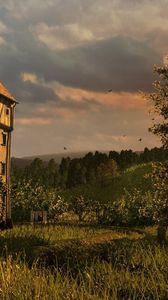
(77, 69)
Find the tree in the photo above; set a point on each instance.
(80, 205)
(51, 179)
(27, 196)
(63, 171)
(107, 171)
(57, 206)
(160, 201)
(35, 171)
(159, 98)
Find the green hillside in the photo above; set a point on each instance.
(130, 179)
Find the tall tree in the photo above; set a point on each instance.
(107, 171)
(159, 98)
(63, 171)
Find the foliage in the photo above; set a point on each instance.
(120, 202)
(160, 100)
(2, 187)
(86, 170)
(57, 206)
(160, 199)
(137, 207)
(106, 171)
(80, 205)
(25, 197)
(105, 204)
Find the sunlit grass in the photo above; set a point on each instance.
(87, 263)
(144, 278)
(51, 233)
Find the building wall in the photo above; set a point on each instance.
(5, 114)
(3, 160)
(3, 152)
(6, 125)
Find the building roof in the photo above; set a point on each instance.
(6, 93)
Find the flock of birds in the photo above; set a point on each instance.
(124, 135)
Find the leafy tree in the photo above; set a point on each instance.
(63, 171)
(35, 171)
(136, 208)
(159, 98)
(106, 171)
(160, 199)
(90, 175)
(115, 156)
(57, 206)
(51, 179)
(27, 196)
(80, 205)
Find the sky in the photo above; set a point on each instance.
(60, 57)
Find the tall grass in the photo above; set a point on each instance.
(96, 264)
(101, 280)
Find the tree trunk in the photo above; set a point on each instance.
(161, 234)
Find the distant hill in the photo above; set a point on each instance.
(57, 156)
(25, 161)
(20, 162)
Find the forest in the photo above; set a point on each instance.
(99, 187)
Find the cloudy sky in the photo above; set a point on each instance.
(59, 57)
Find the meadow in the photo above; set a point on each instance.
(76, 261)
(100, 242)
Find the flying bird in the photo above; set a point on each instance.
(109, 91)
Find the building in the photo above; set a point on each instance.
(7, 105)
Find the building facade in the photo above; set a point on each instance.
(7, 105)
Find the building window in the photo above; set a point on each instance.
(2, 168)
(4, 139)
(7, 111)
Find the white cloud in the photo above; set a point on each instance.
(2, 41)
(94, 20)
(3, 28)
(31, 77)
(63, 24)
(61, 37)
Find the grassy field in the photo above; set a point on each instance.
(75, 262)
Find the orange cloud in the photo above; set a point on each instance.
(115, 100)
(63, 112)
(123, 100)
(33, 121)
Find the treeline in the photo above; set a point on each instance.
(91, 168)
